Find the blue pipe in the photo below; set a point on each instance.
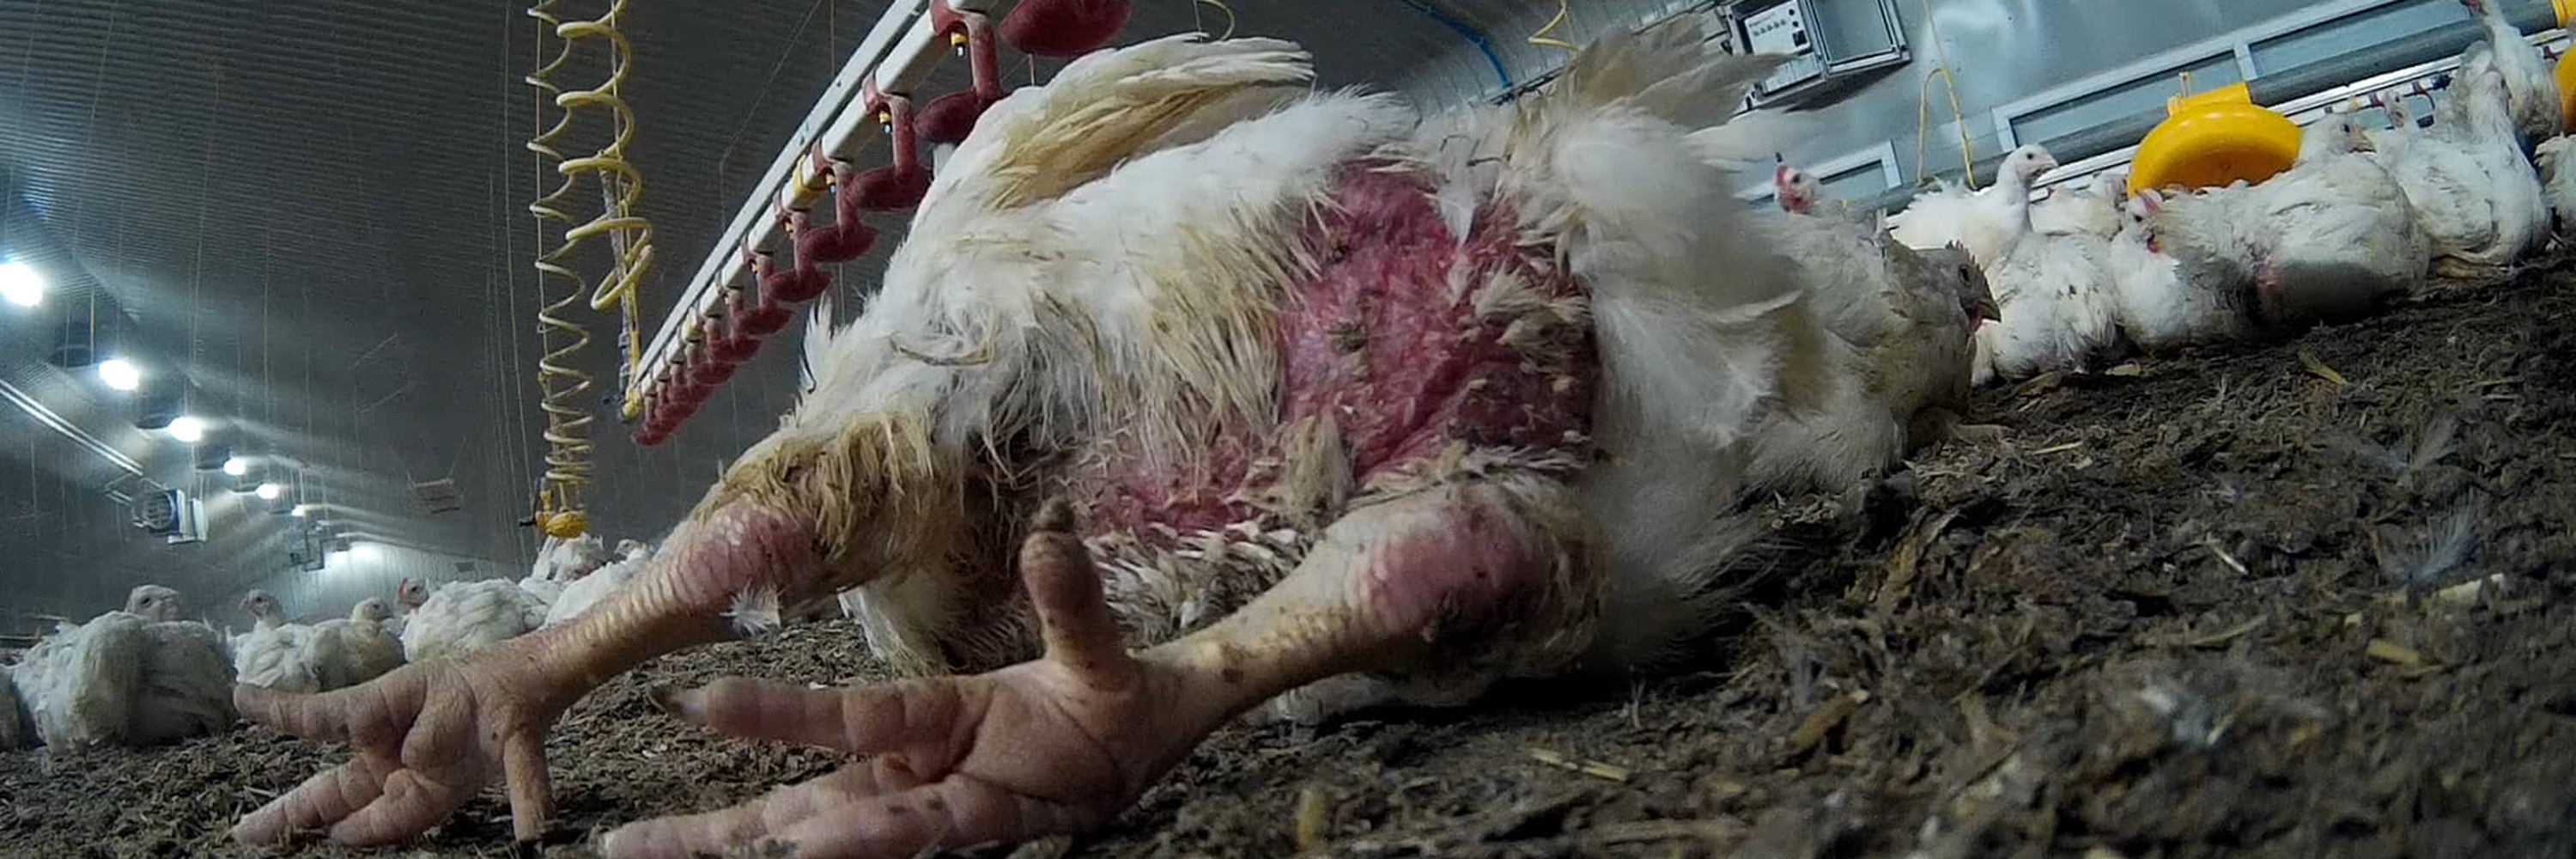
(1471, 35)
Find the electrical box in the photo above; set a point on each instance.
(1834, 45)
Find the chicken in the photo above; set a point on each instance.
(2476, 197)
(2161, 301)
(561, 561)
(2530, 86)
(281, 655)
(2059, 306)
(592, 589)
(1896, 332)
(136, 677)
(1182, 293)
(461, 617)
(1986, 222)
(298, 657)
(2558, 175)
(2093, 210)
(375, 646)
(2402, 126)
(2328, 240)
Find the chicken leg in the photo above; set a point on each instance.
(1064, 743)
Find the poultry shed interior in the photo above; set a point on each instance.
(850, 428)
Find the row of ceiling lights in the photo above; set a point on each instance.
(22, 285)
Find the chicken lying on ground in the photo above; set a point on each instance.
(1897, 325)
(461, 617)
(135, 677)
(2163, 301)
(2093, 209)
(295, 657)
(2054, 292)
(1358, 407)
(2475, 195)
(591, 590)
(2328, 240)
(1987, 222)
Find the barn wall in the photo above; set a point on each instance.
(2000, 52)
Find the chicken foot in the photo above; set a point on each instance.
(1064, 743)
(429, 735)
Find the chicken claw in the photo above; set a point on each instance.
(427, 737)
(1057, 745)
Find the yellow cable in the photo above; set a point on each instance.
(1221, 7)
(1923, 107)
(1564, 9)
(568, 445)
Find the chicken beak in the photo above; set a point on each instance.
(1986, 311)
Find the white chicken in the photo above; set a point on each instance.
(1897, 326)
(2402, 126)
(560, 561)
(2531, 89)
(2475, 194)
(461, 617)
(2060, 309)
(2558, 177)
(135, 677)
(2164, 302)
(2093, 209)
(1987, 222)
(1395, 405)
(592, 589)
(2328, 240)
(297, 657)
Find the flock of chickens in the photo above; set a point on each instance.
(2362, 215)
(144, 676)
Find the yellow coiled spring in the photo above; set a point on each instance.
(567, 434)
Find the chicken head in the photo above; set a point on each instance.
(153, 601)
(263, 608)
(2025, 165)
(411, 593)
(372, 609)
(1796, 190)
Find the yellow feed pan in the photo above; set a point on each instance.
(2214, 138)
(2566, 78)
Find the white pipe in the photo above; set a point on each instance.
(898, 53)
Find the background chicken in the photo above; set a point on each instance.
(2165, 302)
(1896, 325)
(590, 590)
(2059, 306)
(2327, 240)
(2475, 195)
(460, 617)
(2530, 88)
(2093, 209)
(280, 655)
(134, 677)
(1987, 222)
(1189, 295)
(2558, 182)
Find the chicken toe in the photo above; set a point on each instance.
(1063, 743)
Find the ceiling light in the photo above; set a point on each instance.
(269, 491)
(303, 510)
(187, 429)
(20, 284)
(236, 466)
(363, 551)
(119, 374)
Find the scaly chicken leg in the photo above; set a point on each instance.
(1063, 743)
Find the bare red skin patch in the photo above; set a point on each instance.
(1376, 342)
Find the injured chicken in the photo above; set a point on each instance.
(1414, 405)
